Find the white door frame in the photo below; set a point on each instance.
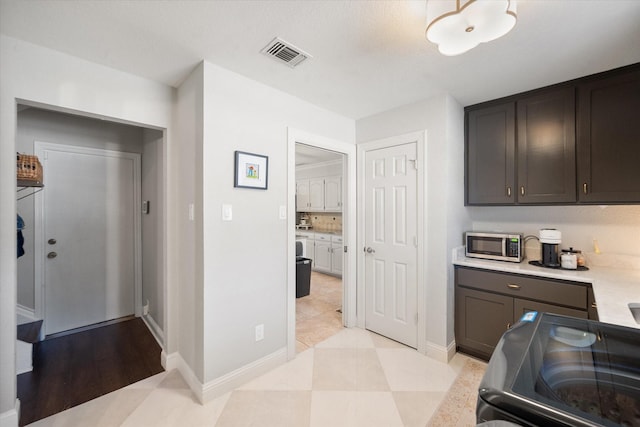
(39, 238)
(348, 227)
(420, 138)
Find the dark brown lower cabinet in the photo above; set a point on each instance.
(481, 319)
(487, 303)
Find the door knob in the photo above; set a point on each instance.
(52, 241)
(370, 250)
(52, 255)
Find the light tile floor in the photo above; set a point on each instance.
(317, 316)
(341, 377)
(355, 378)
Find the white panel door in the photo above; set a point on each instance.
(390, 243)
(88, 231)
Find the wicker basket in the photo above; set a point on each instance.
(29, 169)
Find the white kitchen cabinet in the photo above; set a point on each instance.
(328, 251)
(333, 194)
(319, 194)
(302, 195)
(323, 256)
(336, 255)
(316, 195)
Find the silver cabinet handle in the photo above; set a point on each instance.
(52, 241)
(370, 250)
(584, 188)
(522, 190)
(513, 286)
(52, 255)
(508, 191)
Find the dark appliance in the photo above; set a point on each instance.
(551, 370)
(303, 273)
(495, 246)
(550, 240)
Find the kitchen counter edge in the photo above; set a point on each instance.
(613, 288)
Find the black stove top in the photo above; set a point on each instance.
(561, 371)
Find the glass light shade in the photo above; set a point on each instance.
(457, 26)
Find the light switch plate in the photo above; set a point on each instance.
(227, 212)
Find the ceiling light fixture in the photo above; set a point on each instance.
(457, 29)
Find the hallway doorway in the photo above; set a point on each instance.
(322, 215)
(319, 204)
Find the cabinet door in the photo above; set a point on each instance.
(592, 308)
(333, 194)
(480, 320)
(490, 151)
(521, 306)
(311, 252)
(336, 258)
(546, 147)
(302, 195)
(608, 139)
(322, 254)
(316, 195)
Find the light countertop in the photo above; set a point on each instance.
(615, 283)
(313, 231)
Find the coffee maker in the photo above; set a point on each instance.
(550, 239)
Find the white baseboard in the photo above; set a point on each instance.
(242, 375)
(27, 313)
(10, 418)
(156, 331)
(175, 361)
(209, 391)
(440, 353)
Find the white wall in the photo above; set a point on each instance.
(42, 76)
(245, 260)
(152, 190)
(187, 311)
(616, 228)
(446, 216)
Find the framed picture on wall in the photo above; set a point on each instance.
(251, 170)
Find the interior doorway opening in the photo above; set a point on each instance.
(319, 244)
(85, 136)
(344, 263)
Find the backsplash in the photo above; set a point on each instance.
(615, 228)
(326, 221)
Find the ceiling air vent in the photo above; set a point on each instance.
(284, 52)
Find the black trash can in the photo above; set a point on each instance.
(303, 276)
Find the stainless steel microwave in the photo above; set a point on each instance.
(496, 246)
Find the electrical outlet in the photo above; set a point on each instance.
(259, 332)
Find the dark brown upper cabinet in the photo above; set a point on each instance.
(609, 139)
(546, 147)
(574, 142)
(490, 147)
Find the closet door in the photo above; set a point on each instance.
(88, 231)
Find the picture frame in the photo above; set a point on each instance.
(251, 171)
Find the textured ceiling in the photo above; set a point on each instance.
(368, 56)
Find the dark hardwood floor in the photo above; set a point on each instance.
(73, 369)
